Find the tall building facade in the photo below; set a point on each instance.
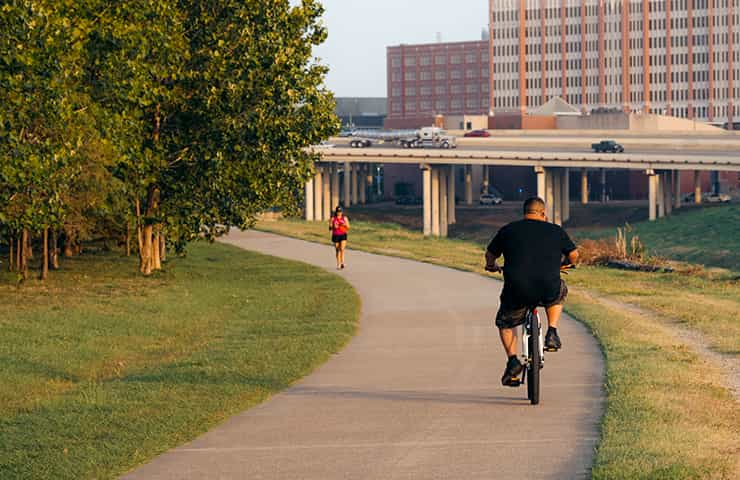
(440, 78)
(672, 57)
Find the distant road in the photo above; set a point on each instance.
(541, 144)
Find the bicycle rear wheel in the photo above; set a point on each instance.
(533, 375)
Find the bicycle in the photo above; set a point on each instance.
(533, 349)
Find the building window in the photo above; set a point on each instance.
(410, 91)
(425, 75)
(455, 59)
(410, 106)
(409, 61)
(440, 60)
(455, 74)
(440, 90)
(395, 62)
(411, 76)
(440, 75)
(425, 61)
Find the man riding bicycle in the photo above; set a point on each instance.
(533, 250)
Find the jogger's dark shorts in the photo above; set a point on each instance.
(510, 316)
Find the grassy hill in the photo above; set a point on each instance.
(708, 236)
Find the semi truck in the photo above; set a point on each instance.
(427, 137)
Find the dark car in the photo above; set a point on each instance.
(477, 133)
(607, 146)
(408, 200)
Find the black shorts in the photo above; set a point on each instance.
(510, 316)
(339, 238)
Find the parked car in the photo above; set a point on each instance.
(607, 146)
(477, 133)
(708, 198)
(324, 144)
(345, 133)
(490, 199)
(716, 198)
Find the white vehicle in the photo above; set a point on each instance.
(427, 137)
(490, 199)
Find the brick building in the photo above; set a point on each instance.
(439, 78)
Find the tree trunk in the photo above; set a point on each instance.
(25, 242)
(156, 260)
(54, 250)
(68, 243)
(29, 246)
(18, 253)
(45, 258)
(146, 251)
(162, 248)
(128, 239)
(11, 255)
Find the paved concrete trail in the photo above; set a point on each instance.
(415, 395)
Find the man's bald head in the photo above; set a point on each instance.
(534, 206)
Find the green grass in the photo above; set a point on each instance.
(103, 369)
(667, 416)
(708, 236)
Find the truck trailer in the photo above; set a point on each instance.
(427, 137)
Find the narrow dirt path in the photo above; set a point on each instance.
(728, 364)
(416, 394)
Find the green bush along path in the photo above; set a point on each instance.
(668, 415)
(101, 371)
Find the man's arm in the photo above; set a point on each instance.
(573, 257)
(491, 265)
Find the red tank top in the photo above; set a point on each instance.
(339, 225)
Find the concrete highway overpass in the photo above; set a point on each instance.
(551, 159)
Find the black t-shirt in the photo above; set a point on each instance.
(532, 253)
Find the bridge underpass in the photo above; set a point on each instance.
(439, 168)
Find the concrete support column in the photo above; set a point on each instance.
(652, 194)
(549, 195)
(362, 181)
(697, 187)
(308, 209)
(334, 187)
(426, 177)
(318, 196)
(584, 186)
(443, 201)
(541, 182)
(557, 196)
(451, 214)
(353, 184)
(326, 185)
(566, 195)
(677, 189)
(369, 169)
(668, 192)
(468, 184)
(346, 184)
(435, 201)
(603, 185)
(661, 195)
(484, 187)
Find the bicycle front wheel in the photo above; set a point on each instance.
(533, 375)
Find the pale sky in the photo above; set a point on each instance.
(360, 31)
